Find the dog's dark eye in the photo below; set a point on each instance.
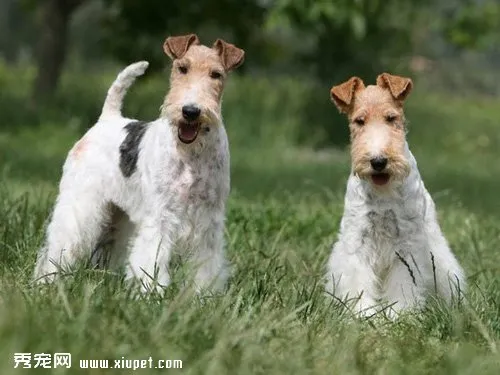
(359, 121)
(183, 69)
(390, 118)
(215, 74)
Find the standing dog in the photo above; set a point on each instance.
(390, 247)
(155, 188)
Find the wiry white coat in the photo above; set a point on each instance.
(173, 202)
(390, 248)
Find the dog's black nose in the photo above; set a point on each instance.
(190, 112)
(378, 163)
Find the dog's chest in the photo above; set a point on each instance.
(199, 183)
(386, 232)
(381, 226)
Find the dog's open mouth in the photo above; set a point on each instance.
(380, 178)
(188, 131)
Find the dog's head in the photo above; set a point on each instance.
(377, 124)
(193, 104)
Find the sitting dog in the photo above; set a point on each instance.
(155, 188)
(390, 247)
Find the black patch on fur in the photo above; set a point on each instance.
(407, 266)
(129, 149)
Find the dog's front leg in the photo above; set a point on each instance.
(149, 257)
(351, 280)
(208, 260)
(405, 287)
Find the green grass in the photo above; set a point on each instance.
(284, 211)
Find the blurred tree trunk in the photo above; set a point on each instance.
(54, 18)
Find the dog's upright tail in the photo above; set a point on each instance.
(113, 104)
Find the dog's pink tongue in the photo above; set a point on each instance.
(380, 179)
(188, 133)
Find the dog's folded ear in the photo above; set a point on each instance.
(343, 95)
(400, 87)
(176, 46)
(231, 56)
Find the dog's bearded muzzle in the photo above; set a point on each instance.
(396, 171)
(188, 131)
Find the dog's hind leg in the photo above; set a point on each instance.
(75, 228)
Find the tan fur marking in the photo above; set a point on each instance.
(200, 62)
(231, 56)
(376, 115)
(176, 46)
(202, 70)
(79, 148)
(400, 87)
(343, 94)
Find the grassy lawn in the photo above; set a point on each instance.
(283, 214)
